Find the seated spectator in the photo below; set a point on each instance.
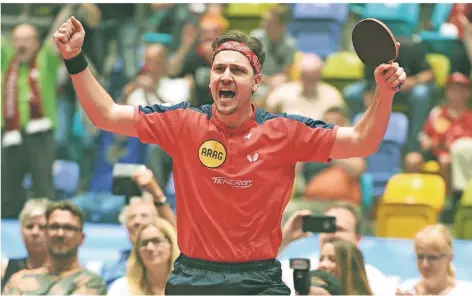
(33, 227)
(194, 60)
(138, 212)
(279, 47)
(445, 125)
(62, 273)
(434, 254)
(338, 180)
(309, 97)
(151, 261)
(345, 261)
(349, 228)
(152, 85)
(417, 93)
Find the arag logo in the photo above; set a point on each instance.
(212, 154)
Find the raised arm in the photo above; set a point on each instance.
(97, 103)
(365, 137)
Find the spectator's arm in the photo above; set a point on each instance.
(176, 62)
(146, 181)
(292, 229)
(354, 166)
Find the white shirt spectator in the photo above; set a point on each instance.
(378, 282)
(461, 288)
(170, 91)
(119, 287)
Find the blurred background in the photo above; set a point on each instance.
(161, 53)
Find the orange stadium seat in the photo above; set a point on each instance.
(410, 202)
(463, 218)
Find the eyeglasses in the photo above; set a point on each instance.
(430, 258)
(156, 241)
(67, 228)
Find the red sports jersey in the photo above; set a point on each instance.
(232, 185)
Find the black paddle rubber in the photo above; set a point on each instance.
(374, 43)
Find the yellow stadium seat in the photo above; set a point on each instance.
(246, 17)
(440, 65)
(463, 218)
(410, 202)
(248, 9)
(343, 65)
(342, 68)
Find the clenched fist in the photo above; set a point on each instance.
(69, 38)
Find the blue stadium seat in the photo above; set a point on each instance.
(66, 178)
(318, 27)
(401, 18)
(386, 161)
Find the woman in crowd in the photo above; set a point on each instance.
(345, 261)
(433, 248)
(150, 262)
(33, 224)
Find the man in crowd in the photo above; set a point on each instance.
(140, 211)
(348, 227)
(62, 274)
(29, 76)
(280, 49)
(447, 137)
(309, 97)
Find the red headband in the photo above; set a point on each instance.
(241, 48)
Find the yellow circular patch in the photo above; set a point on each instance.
(212, 154)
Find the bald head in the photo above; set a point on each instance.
(155, 58)
(310, 69)
(25, 42)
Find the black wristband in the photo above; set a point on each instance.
(77, 64)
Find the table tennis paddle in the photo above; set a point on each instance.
(374, 43)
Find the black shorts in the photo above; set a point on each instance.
(200, 277)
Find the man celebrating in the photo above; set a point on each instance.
(233, 163)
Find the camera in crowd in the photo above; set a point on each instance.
(123, 183)
(303, 278)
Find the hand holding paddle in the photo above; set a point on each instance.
(376, 47)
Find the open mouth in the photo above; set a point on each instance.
(227, 94)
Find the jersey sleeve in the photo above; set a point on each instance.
(160, 125)
(309, 140)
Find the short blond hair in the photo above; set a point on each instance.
(439, 238)
(33, 208)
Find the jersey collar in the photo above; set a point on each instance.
(237, 131)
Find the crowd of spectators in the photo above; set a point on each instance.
(161, 53)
